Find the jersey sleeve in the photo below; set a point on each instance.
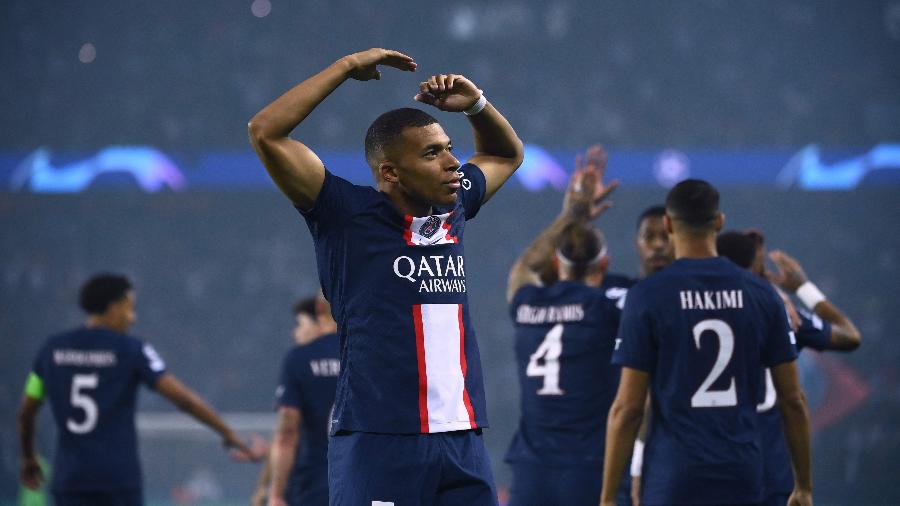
(150, 365)
(814, 332)
(333, 206)
(474, 187)
(635, 345)
(289, 392)
(780, 341)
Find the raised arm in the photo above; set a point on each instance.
(188, 401)
(795, 417)
(498, 150)
(294, 167)
(791, 277)
(284, 447)
(585, 199)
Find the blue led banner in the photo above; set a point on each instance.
(150, 169)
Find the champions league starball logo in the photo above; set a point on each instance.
(431, 225)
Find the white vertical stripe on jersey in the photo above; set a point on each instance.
(446, 385)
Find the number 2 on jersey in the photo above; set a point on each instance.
(80, 399)
(704, 397)
(550, 349)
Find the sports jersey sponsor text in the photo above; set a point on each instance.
(433, 273)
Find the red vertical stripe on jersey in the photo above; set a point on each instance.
(462, 365)
(420, 357)
(407, 236)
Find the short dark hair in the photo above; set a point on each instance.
(651, 212)
(693, 202)
(387, 127)
(102, 290)
(739, 247)
(307, 306)
(581, 245)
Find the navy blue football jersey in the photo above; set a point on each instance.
(91, 378)
(565, 334)
(308, 381)
(703, 329)
(615, 286)
(813, 333)
(397, 288)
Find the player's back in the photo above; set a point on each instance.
(702, 329)
(565, 335)
(308, 383)
(91, 377)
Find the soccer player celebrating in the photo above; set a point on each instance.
(91, 377)
(410, 400)
(696, 335)
(565, 334)
(297, 472)
(828, 328)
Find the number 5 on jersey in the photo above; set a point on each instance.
(549, 350)
(79, 399)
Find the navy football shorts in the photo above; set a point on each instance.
(535, 484)
(442, 469)
(111, 498)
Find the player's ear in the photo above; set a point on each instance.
(667, 222)
(720, 222)
(388, 171)
(604, 264)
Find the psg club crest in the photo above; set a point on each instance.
(432, 224)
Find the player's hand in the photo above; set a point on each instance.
(448, 92)
(241, 452)
(789, 274)
(800, 498)
(364, 65)
(587, 194)
(30, 473)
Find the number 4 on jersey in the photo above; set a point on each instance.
(549, 350)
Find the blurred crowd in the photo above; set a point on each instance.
(566, 72)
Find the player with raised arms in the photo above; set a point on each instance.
(410, 404)
(565, 333)
(826, 328)
(696, 335)
(91, 376)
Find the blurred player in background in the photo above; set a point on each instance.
(565, 333)
(91, 377)
(410, 400)
(696, 335)
(296, 472)
(826, 328)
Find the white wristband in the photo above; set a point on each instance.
(477, 107)
(810, 295)
(637, 458)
